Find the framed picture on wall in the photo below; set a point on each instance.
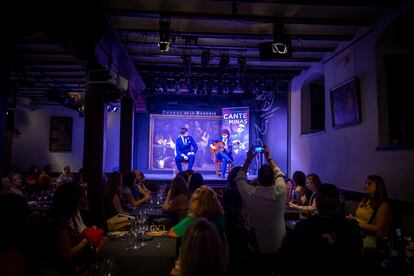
(345, 103)
(60, 138)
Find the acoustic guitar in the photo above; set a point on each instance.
(219, 146)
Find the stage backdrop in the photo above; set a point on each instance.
(236, 119)
(165, 129)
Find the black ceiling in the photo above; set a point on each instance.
(45, 68)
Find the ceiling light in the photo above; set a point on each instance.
(186, 65)
(164, 42)
(205, 59)
(112, 108)
(224, 63)
(279, 48)
(281, 44)
(241, 68)
(164, 46)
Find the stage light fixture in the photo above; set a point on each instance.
(186, 65)
(223, 64)
(241, 68)
(205, 58)
(224, 61)
(280, 45)
(112, 108)
(164, 43)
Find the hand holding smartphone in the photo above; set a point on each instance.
(258, 149)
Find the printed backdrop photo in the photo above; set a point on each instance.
(165, 129)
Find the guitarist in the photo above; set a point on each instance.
(186, 148)
(223, 148)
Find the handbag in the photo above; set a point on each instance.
(118, 222)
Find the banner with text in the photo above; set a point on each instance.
(236, 120)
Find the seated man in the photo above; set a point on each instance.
(186, 148)
(223, 148)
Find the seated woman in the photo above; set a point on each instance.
(301, 194)
(195, 181)
(69, 248)
(113, 201)
(178, 199)
(13, 237)
(140, 183)
(17, 184)
(32, 179)
(65, 177)
(334, 242)
(203, 250)
(128, 183)
(312, 184)
(374, 212)
(203, 203)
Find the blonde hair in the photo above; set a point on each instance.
(204, 203)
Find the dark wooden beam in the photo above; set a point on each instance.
(241, 17)
(303, 37)
(142, 47)
(345, 3)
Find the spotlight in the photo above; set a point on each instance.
(186, 65)
(164, 42)
(280, 45)
(241, 68)
(224, 61)
(112, 108)
(279, 48)
(223, 64)
(205, 59)
(164, 46)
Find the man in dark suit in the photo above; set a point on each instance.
(186, 149)
(224, 151)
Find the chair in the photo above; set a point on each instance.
(218, 167)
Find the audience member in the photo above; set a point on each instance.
(45, 181)
(241, 239)
(333, 243)
(374, 212)
(128, 184)
(309, 207)
(32, 178)
(112, 196)
(203, 251)
(5, 187)
(17, 186)
(290, 188)
(196, 181)
(66, 176)
(301, 194)
(13, 234)
(71, 248)
(140, 183)
(265, 205)
(203, 203)
(177, 200)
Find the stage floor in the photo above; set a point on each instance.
(170, 176)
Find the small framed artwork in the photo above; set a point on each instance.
(345, 103)
(60, 138)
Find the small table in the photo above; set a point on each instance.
(149, 260)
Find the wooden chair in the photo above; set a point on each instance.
(218, 167)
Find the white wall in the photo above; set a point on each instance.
(32, 147)
(346, 156)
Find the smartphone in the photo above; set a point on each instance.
(258, 149)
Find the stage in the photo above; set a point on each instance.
(210, 178)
